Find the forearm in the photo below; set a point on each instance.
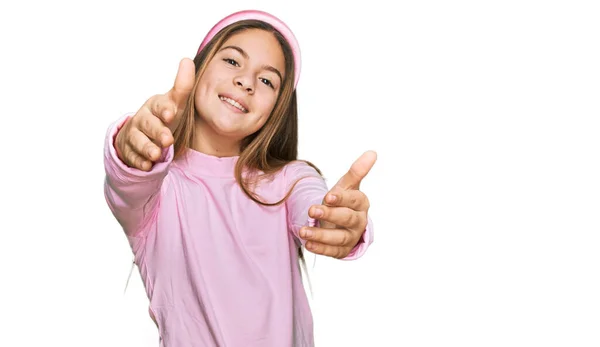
(130, 193)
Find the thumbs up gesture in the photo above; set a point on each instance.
(139, 142)
(343, 214)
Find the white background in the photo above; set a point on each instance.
(485, 197)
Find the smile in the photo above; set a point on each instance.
(233, 103)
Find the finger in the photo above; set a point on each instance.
(163, 108)
(342, 216)
(184, 82)
(332, 237)
(155, 129)
(134, 159)
(353, 199)
(328, 250)
(359, 169)
(143, 146)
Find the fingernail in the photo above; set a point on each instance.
(331, 198)
(164, 138)
(307, 233)
(318, 212)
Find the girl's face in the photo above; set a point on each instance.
(240, 85)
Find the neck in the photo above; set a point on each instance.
(209, 142)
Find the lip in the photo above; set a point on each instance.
(234, 99)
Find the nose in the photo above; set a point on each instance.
(244, 82)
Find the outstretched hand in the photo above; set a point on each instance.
(139, 142)
(343, 213)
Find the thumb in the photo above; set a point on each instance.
(358, 171)
(184, 82)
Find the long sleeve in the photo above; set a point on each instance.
(311, 191)
(132, 195)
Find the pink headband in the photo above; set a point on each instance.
(267, 18)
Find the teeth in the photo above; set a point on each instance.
(233, 103)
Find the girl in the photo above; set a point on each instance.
(206, 184)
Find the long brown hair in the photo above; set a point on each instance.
(275, 144)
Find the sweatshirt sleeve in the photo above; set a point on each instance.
(310, 191)
(131, 194)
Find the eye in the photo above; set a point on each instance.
(267, 82)
(231, 62)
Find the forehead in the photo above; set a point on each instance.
(260, 45)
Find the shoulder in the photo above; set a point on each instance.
(298, 169)
(303, 173)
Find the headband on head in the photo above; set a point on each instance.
(267, 18)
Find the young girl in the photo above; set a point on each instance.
(206, 184)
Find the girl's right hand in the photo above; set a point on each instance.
(140, 141)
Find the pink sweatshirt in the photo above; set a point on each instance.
(218, 268)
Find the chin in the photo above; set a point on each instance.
(232, 131)
(232, 126)
(233, 134)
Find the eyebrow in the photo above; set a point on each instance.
(245, 55)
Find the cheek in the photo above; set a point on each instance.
(200, 99)
(267, 104)
(200, 90)
(211, 78)
(203, 94)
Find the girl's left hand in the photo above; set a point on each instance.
(343, 214)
